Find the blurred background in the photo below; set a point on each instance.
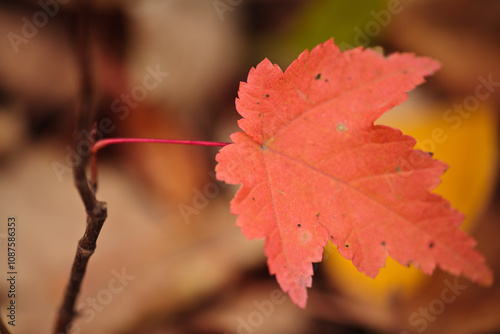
(170, 258)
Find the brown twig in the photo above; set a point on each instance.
(3, 328)
(96, 210)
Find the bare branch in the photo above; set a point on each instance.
(96, 210)
(3, 329)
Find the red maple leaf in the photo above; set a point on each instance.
(314, 168)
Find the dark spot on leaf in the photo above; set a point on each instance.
(299, 225)
(317, 214)
(331, 237)
(258, 102)
(318, 76)
(326, 80)
(383, 243)
(408, 264)
(253, 198)
(404, 71)
(430, 154)
(346, 245)
(267, 95)
(398, 169)
(431, 245)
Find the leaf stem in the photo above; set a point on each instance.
(111, 141)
